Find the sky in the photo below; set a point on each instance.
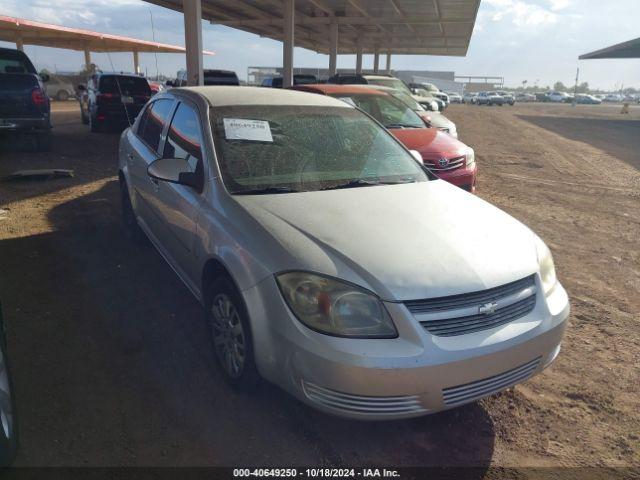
(534, 40)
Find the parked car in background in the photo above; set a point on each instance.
(613, 97)
(8, 420)
(156, 87)
(525, 97)
(24, 106)
(210, 77)
(433, 118)
(489, 98)
(426, 98)
(298, 79)
(447, 157)
(59, 88)
(469, 97)
(507, 98)
(542, 96)
(112, 100)
(329, 261)
(559, 97)
(454, 97)
(433, 91)
(583, 98)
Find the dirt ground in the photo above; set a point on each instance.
(112, 365)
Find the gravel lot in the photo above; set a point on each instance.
(112, 365)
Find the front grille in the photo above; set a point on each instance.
(360, 404)
(463, 300)
(454, 163)
(469, 392)
(475, 323)
(461, 314)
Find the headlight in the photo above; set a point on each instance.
(471, 157)
(547, 268)
(334, 307)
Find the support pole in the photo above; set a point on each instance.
(20, 44)
(193, 40)
(287, 44)
(333, 47)
(376, 61)
(359, 59)
(388, 62)
(87, 58)
(136, 63)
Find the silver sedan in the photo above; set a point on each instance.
(329, 260)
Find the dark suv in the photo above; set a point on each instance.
(111, 99)
(24, 106)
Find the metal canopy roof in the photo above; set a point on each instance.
(630, 49)
(423, 27)
(47, 35)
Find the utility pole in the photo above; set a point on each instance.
(575, 88)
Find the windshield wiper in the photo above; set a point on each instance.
(400, 125)
(358, 182)
(266, 191)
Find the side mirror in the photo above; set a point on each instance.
(82, 88)
(45, 77)
(172, 170)
(418, 157)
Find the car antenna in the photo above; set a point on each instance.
(126, 110)
(153, 36)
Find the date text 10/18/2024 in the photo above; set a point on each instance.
(315, 473)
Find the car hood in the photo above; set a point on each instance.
(410, 241)
(430, 142)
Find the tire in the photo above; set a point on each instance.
(43, 142)
(230, 334)
(62, 95)
(129, 221)
(8, 416)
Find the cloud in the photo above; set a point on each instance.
(523, 14)
(559, 4)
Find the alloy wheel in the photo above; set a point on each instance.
(228, 335)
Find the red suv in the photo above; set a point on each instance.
(445, 156)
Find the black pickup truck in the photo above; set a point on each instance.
(24, 106)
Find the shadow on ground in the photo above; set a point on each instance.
(619, 138)
(112, 366)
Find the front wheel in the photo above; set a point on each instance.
(230, 331)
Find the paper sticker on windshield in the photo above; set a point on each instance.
(252, 130)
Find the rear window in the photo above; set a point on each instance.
(123, 84)
(217, 77)
(304, 79)
(15, 62)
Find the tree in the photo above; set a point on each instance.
(583, 88)
(559, 86)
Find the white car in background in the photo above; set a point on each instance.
(613, 97)
(469, 97)
(558, 97)
(454, 97)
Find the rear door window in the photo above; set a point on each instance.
(152, 123)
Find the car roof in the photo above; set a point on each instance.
(379, 77)
(227, 96)
(332, 89)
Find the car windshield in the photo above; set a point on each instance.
(407, 99)
(282, 149)
(390, 82)
(386, 109)
(423, 93)
(126, 85)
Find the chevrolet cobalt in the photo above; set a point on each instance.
(329, 260)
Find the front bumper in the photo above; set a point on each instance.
(464, 178)
(415, 374)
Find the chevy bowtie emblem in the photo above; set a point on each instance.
(487, 308)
